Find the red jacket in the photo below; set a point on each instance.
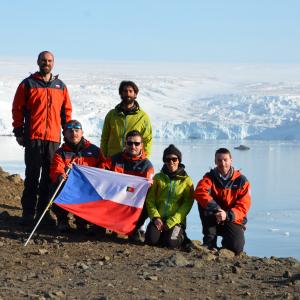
(40, 108)
(232, 195)
(88, 155)
(122, 163)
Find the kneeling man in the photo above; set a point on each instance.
(132, 161)
(76, 149)
(223, 200)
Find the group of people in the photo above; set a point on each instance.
(42, 107)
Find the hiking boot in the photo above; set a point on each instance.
(47, 221)
(81, 225)
(26, 220)
(63, 226)
(95, 230)
(187, 244)
(212, 248)
(188, 247)
(137, 236)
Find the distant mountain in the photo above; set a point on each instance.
(184, 105)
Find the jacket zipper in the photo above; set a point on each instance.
(47, 104)
(168, 199)
(124, 133)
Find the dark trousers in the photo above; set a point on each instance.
(38, 157)
(171, 238)
(232, 234)
(60, 213)
(143, 217)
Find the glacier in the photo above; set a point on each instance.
(184, 101)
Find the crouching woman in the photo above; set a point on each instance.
(168, 202)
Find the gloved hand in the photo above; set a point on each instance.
(20, 140)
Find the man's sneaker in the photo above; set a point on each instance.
(26, 220)
(63, 226)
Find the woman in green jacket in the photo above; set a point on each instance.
(168, 201)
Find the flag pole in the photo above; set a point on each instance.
(48, 206)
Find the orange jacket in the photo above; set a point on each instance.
(232, 195)
(40, 108)
(122, 163)
(88, 155)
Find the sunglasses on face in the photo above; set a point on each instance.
(73, 126)
(129, 143)
(169, 159)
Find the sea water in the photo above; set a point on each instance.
(272, 167)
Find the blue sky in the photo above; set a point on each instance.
(228, 31)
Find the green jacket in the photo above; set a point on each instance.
(117, 124)
(170, 199)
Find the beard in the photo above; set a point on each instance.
(44, 70)
(128, 100)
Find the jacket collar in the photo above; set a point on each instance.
(38, 75)
(180, 172)
(83, 144)
(233, 174)
(133, 111)
(133, 158)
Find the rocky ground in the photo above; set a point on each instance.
(76, 266)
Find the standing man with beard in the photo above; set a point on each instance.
(125, 117)
(40, 108)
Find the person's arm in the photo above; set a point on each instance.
(106, 164)
(18, 108)
(242, 204)
(150, 200)
(150, 172)
(184, 209)
(105, 135)
(102, 161)
(203, 194)
(147, 136)
(66, 110)
(57, 167)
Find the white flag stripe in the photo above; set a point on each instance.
(114, 186)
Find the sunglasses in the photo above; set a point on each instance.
(129, 143)
(169, 159)
(73, 126)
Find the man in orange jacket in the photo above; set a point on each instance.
(40, 107)
(76, 149)
(224, 200)
(132, 161)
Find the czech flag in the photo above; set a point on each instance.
(108, 199)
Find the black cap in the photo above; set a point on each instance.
(172, 150)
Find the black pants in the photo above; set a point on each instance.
(143, 217)
(172, 238)
(38, 157)
(233, 234)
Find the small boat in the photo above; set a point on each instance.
(242, 147)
